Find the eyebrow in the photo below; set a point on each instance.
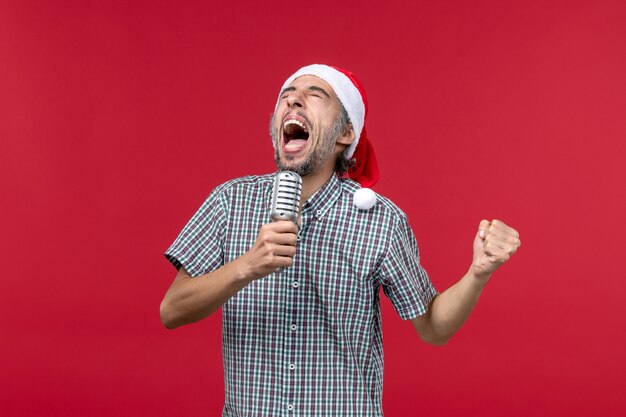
(320, 89)
(287, 89)
(311, 88)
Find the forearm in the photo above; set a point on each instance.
(450, 309)
(191, 299)
(494, 244)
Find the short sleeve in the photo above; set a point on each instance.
(404, 280)
(199, 246)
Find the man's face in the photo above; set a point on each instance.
(303, 128)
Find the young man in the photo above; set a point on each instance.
(300, 304)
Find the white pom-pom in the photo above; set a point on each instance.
(364, 198)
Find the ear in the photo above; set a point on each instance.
(347, 137)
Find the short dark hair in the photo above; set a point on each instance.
(343, 163)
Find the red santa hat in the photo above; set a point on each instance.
(351, 94)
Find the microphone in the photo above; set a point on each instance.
(286, 196)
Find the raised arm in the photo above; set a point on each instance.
(494, 244)
(190, 299)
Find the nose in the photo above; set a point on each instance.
(294, 99)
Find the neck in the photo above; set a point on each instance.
(313, 182)
(310, 185)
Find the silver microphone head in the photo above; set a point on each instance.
(286, 196)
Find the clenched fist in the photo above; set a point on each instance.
(274, 248)
(494, 244)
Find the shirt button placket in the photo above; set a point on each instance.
(292, 366)
(290, 354)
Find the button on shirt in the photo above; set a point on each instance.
(307, 340)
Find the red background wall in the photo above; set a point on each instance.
(117, 119)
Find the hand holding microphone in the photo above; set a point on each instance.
(275, 244)
(286, 199)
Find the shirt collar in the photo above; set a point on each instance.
(324, 198)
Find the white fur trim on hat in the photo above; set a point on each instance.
(346, 91)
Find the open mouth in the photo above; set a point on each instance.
(295, 134)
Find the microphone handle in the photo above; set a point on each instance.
(286, 199)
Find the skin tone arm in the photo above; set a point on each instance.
(191, 299)
(494, 244)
